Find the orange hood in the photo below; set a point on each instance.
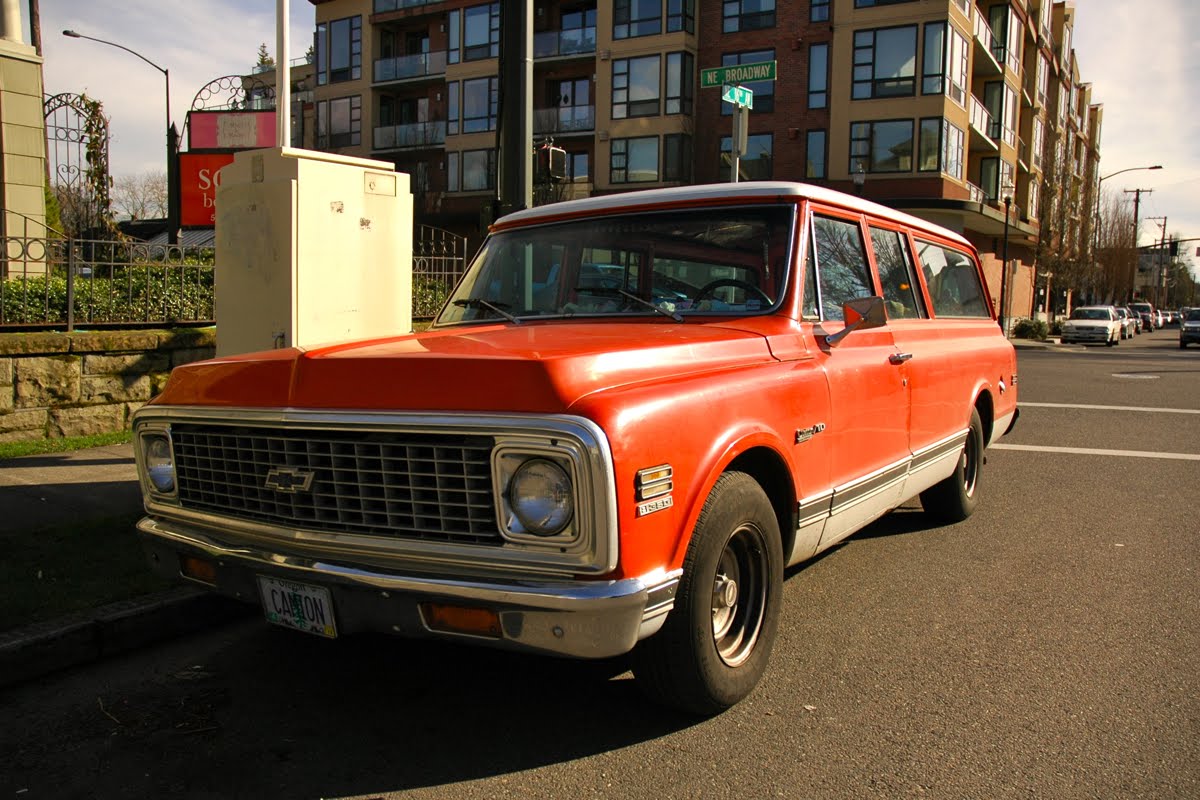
(534, 367)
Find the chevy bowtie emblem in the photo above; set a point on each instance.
(286, 479)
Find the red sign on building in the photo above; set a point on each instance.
(199, 177)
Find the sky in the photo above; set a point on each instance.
(1140, 57)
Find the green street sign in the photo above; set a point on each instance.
(737, 73)
(738, 95)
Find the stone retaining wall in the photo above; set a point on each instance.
(79, 384)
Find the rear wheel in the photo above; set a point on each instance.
(955, 498)
(714, 646)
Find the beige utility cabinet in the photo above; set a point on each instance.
(312, 248)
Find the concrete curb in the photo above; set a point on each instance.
(37, 650)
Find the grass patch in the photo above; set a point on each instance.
(72, 567)
(41, 446)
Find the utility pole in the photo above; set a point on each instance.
(1159, 275)
(1137, 199)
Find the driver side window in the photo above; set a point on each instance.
(842, 269)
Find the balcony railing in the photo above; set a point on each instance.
(976, 194)
(576, 41)
(564, 119)
(416, 134)
(402, 68)
(382, 6)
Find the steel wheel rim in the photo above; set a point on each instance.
(739, 595)
(970, 464)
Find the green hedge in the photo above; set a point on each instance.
(127, 294)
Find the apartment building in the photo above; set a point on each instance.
(966, 112)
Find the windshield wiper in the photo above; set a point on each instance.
(675, 315)
(496, 307)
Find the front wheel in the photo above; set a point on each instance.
(714, 646)
(954, 499)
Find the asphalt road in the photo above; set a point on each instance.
(1049, 647)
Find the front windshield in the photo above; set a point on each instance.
(701, 261)
(1091, 313)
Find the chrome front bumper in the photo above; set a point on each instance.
(580, 619)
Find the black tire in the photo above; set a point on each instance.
(714, 646)
(955, 498)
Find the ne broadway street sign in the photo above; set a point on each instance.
(738, 73)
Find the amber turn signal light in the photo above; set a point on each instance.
(198, 569)
(461, 619)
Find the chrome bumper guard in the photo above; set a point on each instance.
(579, 619)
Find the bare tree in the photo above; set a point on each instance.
(1115, 252)
(141, 196)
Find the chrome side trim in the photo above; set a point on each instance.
(935, 452)
(855, 492)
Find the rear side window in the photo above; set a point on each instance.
(843, 273)
(953, 281)
(896, 274)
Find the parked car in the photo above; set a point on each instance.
(1136, 317)
(1129, 322)
(1189, 328)
(1146, 311)
(588, 470)
(1092, 325)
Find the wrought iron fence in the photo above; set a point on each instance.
(49, 283)
(439, 260)
(60, 283)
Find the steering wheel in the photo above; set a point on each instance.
(717, 284)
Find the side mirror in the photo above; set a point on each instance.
(862, 313)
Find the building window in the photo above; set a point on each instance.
(748, 15)
(885, 62)
(885, 146)
(814, 154)
(681, 68)
(764, 91)
(818, 11)
(953, 149)
(481, 32)
(339, 50)
(479, 102)
(633, 18)
(929, 146)
(681, 16)
(476, 169)
(958, 63)
(452, 109)
(677, 157)
(933, 60)
(755, 164)
(818, 76)
(635, 87)
(634, 160)
(339, 122)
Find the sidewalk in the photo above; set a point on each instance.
(38, 492)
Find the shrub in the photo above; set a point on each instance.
(1031, 329)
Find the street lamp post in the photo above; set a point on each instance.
(1004, 265)
(1099, 196)
(172, 138)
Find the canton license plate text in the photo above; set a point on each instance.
(298, 606)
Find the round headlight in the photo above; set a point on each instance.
(541, 497)
(159, 464)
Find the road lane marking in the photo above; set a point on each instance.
(1091, 451)
(1111, 408)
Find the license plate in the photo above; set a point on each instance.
(298, 606)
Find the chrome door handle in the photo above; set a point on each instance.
(899, 358)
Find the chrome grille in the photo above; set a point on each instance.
(408, 485)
